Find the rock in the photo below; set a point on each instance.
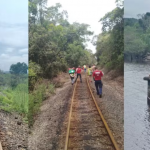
(19, 122)
(9, 133)
(16, 117)
(19, 146)
(4, 122)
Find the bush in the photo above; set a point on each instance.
(39, 94)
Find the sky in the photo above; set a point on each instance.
(86, 11)
(13, 33)
(134, 7)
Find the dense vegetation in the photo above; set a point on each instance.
(54, 45)
(110, 43)
(14, 91)
(19, 68)
(137, 38)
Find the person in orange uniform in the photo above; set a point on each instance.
(97, 74)
(78, 71)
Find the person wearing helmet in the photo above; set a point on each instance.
(72, 75)
(97, 74)
(78, 71)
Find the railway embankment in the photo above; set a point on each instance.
(50, 127)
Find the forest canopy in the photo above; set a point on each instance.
(137, 38)
(110, 43)
(54, 43)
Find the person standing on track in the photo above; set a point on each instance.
(97, 74)
(89, 71)
(93, 68)
(72, 74)
(84, 68)
(78, 71)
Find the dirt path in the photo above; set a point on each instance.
(49, 130)
(13, 131)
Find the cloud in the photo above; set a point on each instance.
(23, 50)
(4, 56)
(9, 50)
(12, 25)
(14, 37)
(13, 33)
(134, 7)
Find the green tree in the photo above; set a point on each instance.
(19, 68)
(56, 44)
(137, 38)
(110, 45)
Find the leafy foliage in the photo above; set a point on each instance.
(19, 68)
(109, 44)
(137, 38)
(55, 44)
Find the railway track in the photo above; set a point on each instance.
(87, 128)
(1, 146)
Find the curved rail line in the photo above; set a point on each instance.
(87, 127)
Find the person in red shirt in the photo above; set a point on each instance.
(97, 74)
(78, 71)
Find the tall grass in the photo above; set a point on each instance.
(15, 100)
(20, 98)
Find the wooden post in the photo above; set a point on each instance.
(148, 89)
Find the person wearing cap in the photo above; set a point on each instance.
(97, 74)
(78, 71)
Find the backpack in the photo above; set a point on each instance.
(71, 71)
(89, 71)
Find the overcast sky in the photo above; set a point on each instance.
(134, 7)
(86, 11)
(13, 32)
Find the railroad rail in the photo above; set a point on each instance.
(87, 128)
(1, 146)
